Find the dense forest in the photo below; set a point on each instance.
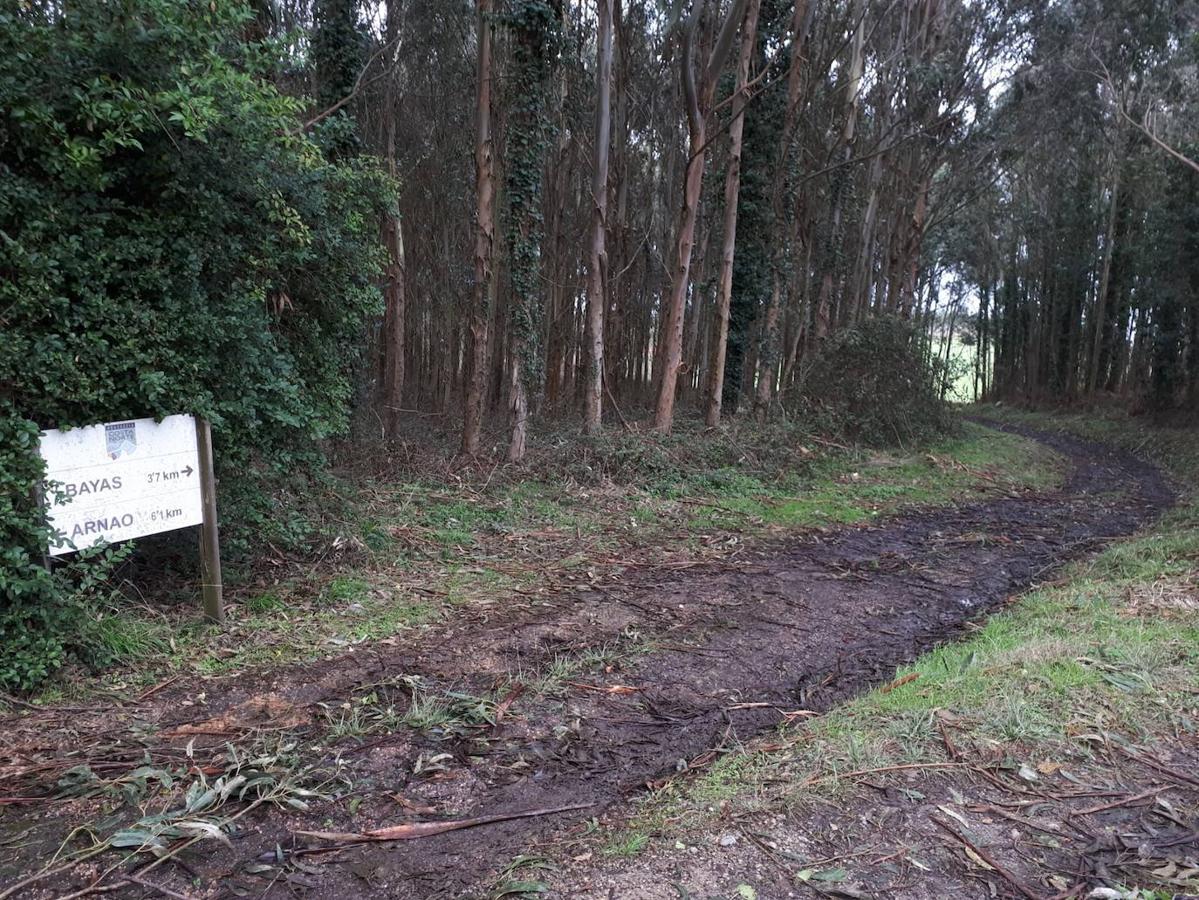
(312, 219)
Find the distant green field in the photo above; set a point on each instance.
(962, 357)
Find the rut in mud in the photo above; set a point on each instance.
(723, 652)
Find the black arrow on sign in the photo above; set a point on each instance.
(188, 471)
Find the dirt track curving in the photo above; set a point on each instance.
(714, 654)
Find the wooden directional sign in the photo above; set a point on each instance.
(121, 480)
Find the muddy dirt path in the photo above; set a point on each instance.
(692, 662)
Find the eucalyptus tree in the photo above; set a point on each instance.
(484, 233)
(598, 260)
(1087, 301)
(705, 40)
(732, 187)
(534, 26)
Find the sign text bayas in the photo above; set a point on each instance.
(121, 480)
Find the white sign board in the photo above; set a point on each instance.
(121, 480)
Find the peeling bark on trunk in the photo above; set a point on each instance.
(597, 275)
(394, 298)
(484, 238)
(697, 95)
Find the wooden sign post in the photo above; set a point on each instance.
(121, 480)
(210, 541)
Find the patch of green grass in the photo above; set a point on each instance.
(124, 638)
(856, 490)
(552, 679)
(627, 844)
(521, 878)
(385, 619)
(359, 717)
(375, 535)
(345, 589)
(725, 779)
(457, 523)
(408, 702)
(466, 584)
(266, 602)
(447, 712)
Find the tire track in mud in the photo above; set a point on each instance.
(805, 623)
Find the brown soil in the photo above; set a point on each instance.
(722, 652)
(975, 832)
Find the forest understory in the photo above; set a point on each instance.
(683, 725)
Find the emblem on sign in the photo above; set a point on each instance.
(121, 438)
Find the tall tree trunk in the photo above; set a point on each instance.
(484, 237)
(732, 185)
(1109, 244)
(770, 351)
(593, 398)
(394, 315)
(558, 258)
(671, 335)
(535, 28)
(824, 311)
(395, 305)
(697, 97)
(694, 357)
(768, 356)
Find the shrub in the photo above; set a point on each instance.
(878, 384)
(169, 242)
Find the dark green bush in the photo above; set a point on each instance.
(876, 384)
(169, 242)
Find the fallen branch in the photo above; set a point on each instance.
(1126, 801)
(949, 746)
(146, 695)
(900, 682)
(427, 829)
(605, 689)
(985, 857)
(1019, 820)
(837, 776)
(1160, 766)
(157, 888)
(506, 703)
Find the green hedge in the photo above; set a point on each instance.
(169, 242)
